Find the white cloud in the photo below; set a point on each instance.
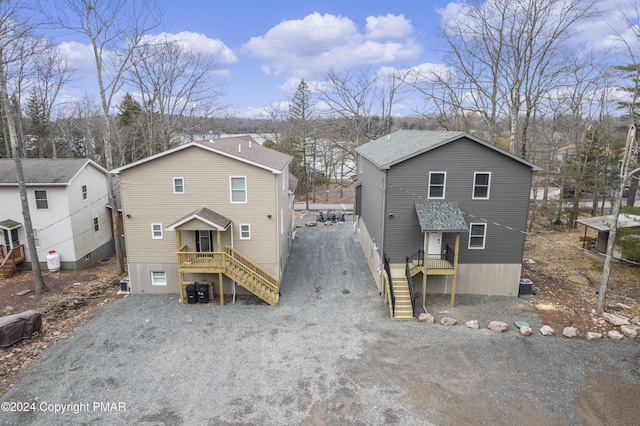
(389, 26)
(201, 44)
(79, 56)
(308, 47)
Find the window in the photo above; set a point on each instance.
(437, 182)
(477, 235)
(156, 231)
(178, 185)
(238, 189)
(481, 184)
(245, 232)
(84, 192)
(41, 200)
(158, 278)
(96, 224)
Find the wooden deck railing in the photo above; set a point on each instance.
(236, 266)
(10, 263)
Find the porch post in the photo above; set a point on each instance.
(180, 286)
(424, 271)
(455, 269)
(219, 240)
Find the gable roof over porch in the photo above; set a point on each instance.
(440, 216)
(205, 215)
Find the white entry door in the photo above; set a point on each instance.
(435, 244)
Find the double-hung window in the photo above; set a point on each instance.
(156, 231)
(437, 183)
(477, 235)
(96, 224)
(41, 199)
(238, 186)
(84, 192)
(481, 185)
(178, 185)
(245, 231)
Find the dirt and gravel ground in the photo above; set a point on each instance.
(327, 354)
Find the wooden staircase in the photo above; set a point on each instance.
(235, 265)
(251, 276)
(10, 263)
(403, 305)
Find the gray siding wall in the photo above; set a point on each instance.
(507, 206)
(372, 199)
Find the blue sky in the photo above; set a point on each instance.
(263, 49)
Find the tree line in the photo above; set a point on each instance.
(511, 75)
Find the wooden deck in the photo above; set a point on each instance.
(10, 263)
(236, 266)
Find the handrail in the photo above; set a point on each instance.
(410, 284)
(418, 257)
(9, 264)
(233, 264)
(387, 269)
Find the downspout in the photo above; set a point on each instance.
(234, 283)
(384, 225)
(277, 217)
(424, 272)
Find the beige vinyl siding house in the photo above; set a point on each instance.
(201, 198)
(68, 205)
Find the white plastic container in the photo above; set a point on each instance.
(53, 261)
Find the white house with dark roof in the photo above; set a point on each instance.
(68, 204)
(217, 213)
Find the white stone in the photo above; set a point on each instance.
(615, 319)
(426, 317)
(448, 321)
(592, 335)
(525, 330)
(629, 331)
(615, 335)
(545, 330)
(498, 326)
(622, 306)
(635, 320)
(472, 324)
(569, 332)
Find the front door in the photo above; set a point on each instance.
(11, 239)
(434, 249)
(203, 241)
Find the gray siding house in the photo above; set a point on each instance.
(460, 200)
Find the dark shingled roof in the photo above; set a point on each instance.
(42, 171)
(205, 215)
(241, 148)
(246, 148)
(440, 216)
(402, 145)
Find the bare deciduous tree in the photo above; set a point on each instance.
(14, 27)
(114, 30)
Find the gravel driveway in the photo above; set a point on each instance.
(327, 354)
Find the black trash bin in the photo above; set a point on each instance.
(192, 296)
(203, 293)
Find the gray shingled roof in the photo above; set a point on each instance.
(205, 215)
(242, 148)
(440, 216)
(246, 148)
(405, 144)
(43, 171)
